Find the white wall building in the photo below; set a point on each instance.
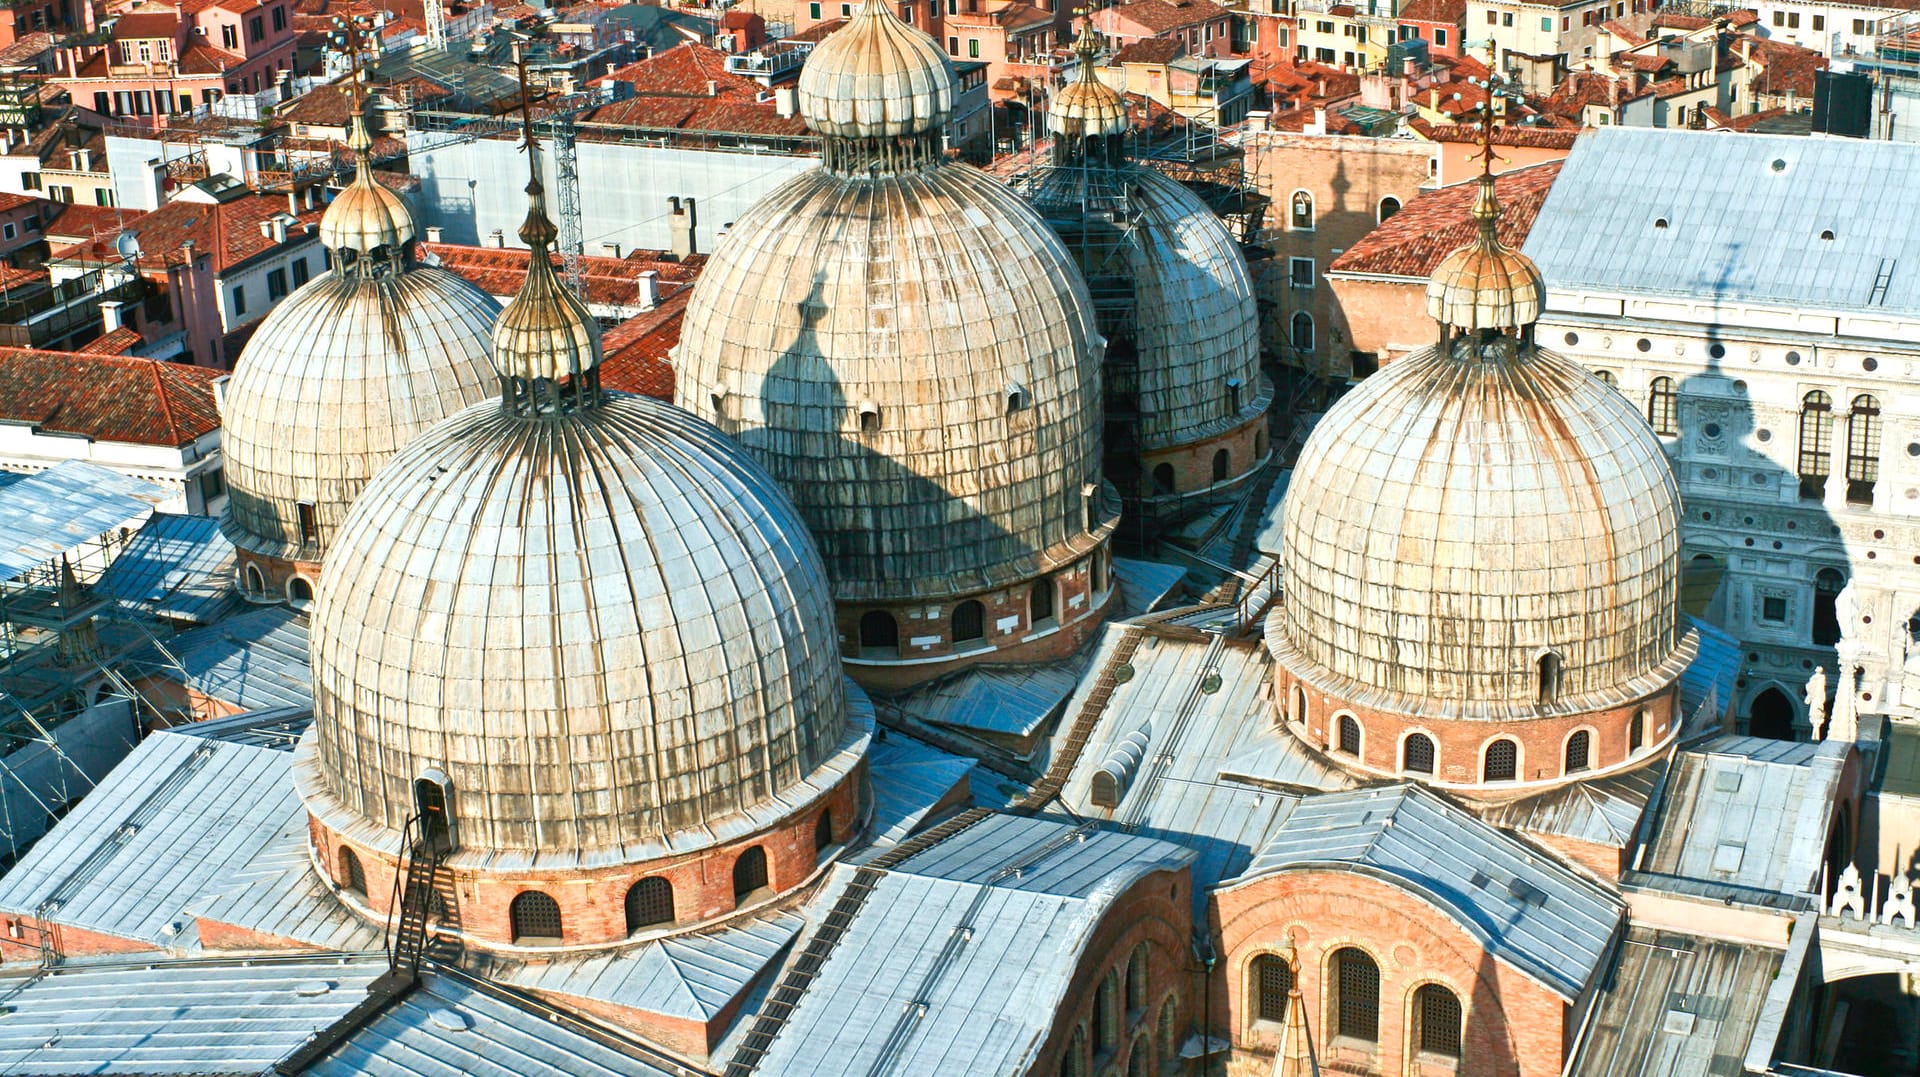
(1757, 296)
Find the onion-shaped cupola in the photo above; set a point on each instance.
(905, 345)
(338, 377)
(584, 635)
(1481, 580)
(1088, 118)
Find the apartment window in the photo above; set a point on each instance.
(1819, 22)
(1816, 444)
(276, 285)
(1863, 449)
(1303, 331)
(230, 36)
(256, 29)
(1566, 22)
(102, 103)
(1546, 24)
(1300, 272)
(279, 19)
(1324, 56)
(1387, 208)
(1302, 211)
(1860, 27)
(1779, 18)
(1493, 18)
(973, 48)
(1323, 27)
(239, 299)
(1347, 30)
(1661, 408)
(103, 196)
(1506, 19)
(1793, 20)
(60, 193)
(813, 12)
(846, 11)
(299, 271)
(953, 46)
(1773, 608)
(1440, 38)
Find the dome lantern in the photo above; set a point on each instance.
(879, 93)
(367, 227)
(546, 347)
(1088, 118)
(1486, 287)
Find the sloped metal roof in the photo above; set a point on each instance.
(893, 992)
(1604, 811)
(1747, 813)
(1711, 676)
(1527, 910)
(255, 660)
(909, 778)
(1012, 701)
(1737, 218)
(179, 814)
(449, 1027)
(174, 1017)
(1677, 1004)
(43, 516)
(180, 567)
(692, 976)
(1221, 793)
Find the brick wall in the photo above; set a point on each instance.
(1512, 1026)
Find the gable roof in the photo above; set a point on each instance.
(1447, 12)
(114, 398)
(1152, 50)
(1413, 242)
(1742, 217)
(1524, 908)
(1161, 16)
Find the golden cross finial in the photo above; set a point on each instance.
(1486, 115)
(528, 142)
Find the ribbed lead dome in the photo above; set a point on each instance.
(345, 371)
(590, 611)
(876, 77)
(1087, 107)
(913, 357)
(1486, 284)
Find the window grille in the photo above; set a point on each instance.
(1503, 760)
(535, 916)
(1349, 734)
(1439, 1013)
(1578, 747)
(1359, 1004)
(1419, 754)
(1272, 983)
(649, 902)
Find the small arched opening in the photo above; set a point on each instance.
(823, 832)
(1827, 585)
(535, 919)
(1502, 761)
(1348, 738)
(649, 904)
(1222, 463)
(1137, 983)
(353, 878)
(1548, 670)
(299, 591)
(1416, 755)
(256, 580)
(1356, 1003)
(1271, 982)
(1163, 479)
(1040, 602)
(1579, 752)
(749, 875)
(969, 622)
(1771, 715)
(879, 635)
(1436, 1015)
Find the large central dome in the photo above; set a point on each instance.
(909, 349)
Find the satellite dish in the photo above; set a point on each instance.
(128, 244)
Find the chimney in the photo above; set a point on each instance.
(786, 100)
(609, 250)
(110, 316)
(713, 88)
(682, 225)
(279, 225)
(82, 160)
(1319, 121)
(649, 282)
(293, 201)
(496, 239)
(433, 233)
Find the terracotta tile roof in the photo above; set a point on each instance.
(636, 349)
(13, 278)
(1161, 16)
(145, 25)
(610, 282)
(1623, 33)
(671, 93)
(1749, 121)
(200, 58)
(1784, 67)
(1299, 119)
(229, 231)
(1448, 12)
(1547, 138)
(1152, 50)
(324, 106)
(74, 222)
(1413, 242)
(108, 397)
(119, 342)
(27, 50)
(1011, 16)
(1650, 63)
(10, 201)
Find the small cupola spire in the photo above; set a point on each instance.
(1088, 118)
(879, 94)
(546, 347)
(368, 228)
(1486, 288)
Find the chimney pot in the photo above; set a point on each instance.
(649, 282)
(111, 317)
(434, 233)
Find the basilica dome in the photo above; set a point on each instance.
(1482, 529)
(342, 373)
(590, 615)
(905, 345)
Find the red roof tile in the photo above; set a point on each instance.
(1413, 242)
(146, 25)
(636, 349)
(108, 397)
(688, 88)
(119, 342)
(229, 231)
(606, 281)
(1548, 138)
(1152, 50)
(1161, 16)
(1447, 12)
(74, 222)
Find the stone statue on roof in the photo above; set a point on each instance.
(1817, 699)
